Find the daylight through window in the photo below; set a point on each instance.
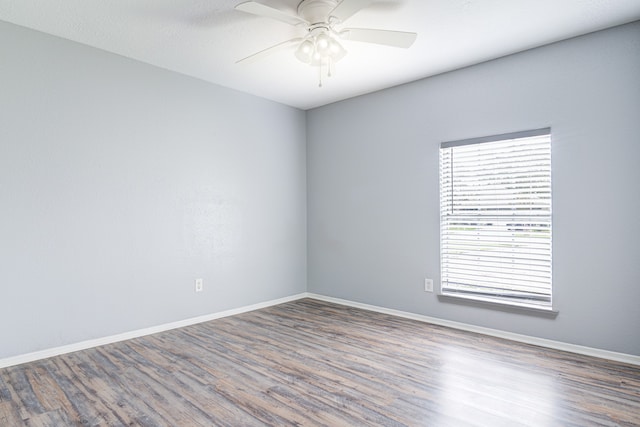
(495, 218)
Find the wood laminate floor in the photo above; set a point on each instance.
(314, 363)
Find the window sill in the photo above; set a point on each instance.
(499, 305)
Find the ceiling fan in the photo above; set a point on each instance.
(322, 20)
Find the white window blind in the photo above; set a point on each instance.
(495, 218)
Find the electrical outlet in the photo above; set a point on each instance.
(199, 285)
(428, 285)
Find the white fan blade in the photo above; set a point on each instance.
(260, 9)
(386, 37)
(270, 50)
(347, 8)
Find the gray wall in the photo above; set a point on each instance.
(120, 183)
(372, 174)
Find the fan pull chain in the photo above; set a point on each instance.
(330, 70)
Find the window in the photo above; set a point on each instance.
(495, 218)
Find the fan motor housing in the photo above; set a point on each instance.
(316, 11)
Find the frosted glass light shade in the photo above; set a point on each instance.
(305, 51)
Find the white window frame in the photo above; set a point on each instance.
(495, 219)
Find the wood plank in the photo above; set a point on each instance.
(10, 414)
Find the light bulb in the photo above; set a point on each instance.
(336, 51)
(305, 51)
(306, 47)
(323, 42)
(334, 47)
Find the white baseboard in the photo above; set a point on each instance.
(557, 345)
(43, 354)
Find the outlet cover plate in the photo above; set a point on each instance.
(428, 285)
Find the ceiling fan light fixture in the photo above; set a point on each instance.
(320, 49)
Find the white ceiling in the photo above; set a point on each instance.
(204, 38)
